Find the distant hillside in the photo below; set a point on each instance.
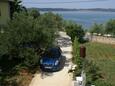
(64, 9)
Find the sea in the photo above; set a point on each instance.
(86, 18)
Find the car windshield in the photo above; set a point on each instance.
(53, 53)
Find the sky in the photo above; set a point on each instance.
(69, 3)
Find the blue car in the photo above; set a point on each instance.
(50, 61)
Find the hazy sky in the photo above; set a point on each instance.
(69, 3)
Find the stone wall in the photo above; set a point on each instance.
(102, 39)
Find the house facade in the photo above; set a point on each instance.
(4, 11)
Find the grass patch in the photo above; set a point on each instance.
(104, 57)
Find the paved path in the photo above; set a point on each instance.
(60, 78)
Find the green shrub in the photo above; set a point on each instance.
(34, 13)
(76, 58)
(109, 27)
(102, 83)
(97, 28)
(74, 30)
(75, 50)
(92, 72)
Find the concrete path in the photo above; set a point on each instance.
(60, 78)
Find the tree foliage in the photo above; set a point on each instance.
(74, 30)
(107, 28)
(97, 28)
(35, 13)
(16, 6)
(25, 36)
(110, 27)
(51, 21)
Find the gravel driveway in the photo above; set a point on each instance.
(60, 78)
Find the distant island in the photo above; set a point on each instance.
(65, 9)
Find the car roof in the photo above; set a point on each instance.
(54, 48)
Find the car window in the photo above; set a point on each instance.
(54, 52)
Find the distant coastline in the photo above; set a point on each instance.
(85, 17)
(65, 9)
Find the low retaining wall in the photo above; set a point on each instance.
(102, 39)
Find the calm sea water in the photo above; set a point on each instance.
(87, 18)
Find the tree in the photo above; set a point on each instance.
(16, 7)
(24, 37)
(35, 13)
(51, 20)
(74, 30)
(110, 27)
(97, 28)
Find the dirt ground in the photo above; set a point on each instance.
(62, 77)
